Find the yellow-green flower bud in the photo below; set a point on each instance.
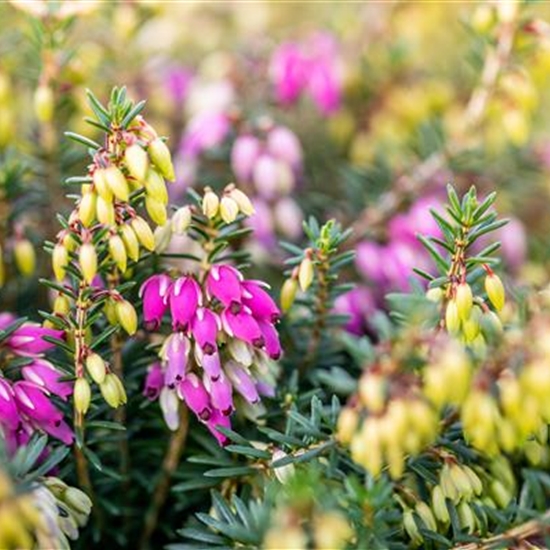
(105, 211)
(210, 203)
(61, 305)
(464, 300)
(348, 422)
(411, 528)
(461, 481)
(452, 318)
(82, 395)
(181, 220)
(78, 500)
(495, 290)
(305, 273)
(110, 391)
(163, 235)
(161, 157)
(229, 209)
(87, 259)
(435, 294)
(426, 515)
(156, 210)
(101, 186)
(288, 293)
(466, 517)
(242, 200)
(121, 391)
(372, 391)
(60, 259)
(439, 506)
(127, 316)
(130, 241)
(155, 187)
(110, 312)
(44, 103)
(471, 326)
(87, 209)
(137, 161)
(117, 250)
(475, 482)
(117, 183)
(96, 368)
(331, 531)
(25, 257)
(143, 233)
(491, 325)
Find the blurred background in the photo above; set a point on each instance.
(363, 112)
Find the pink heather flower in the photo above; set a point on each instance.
(359, 304)
(210, 363)
(154, 381)
(6, 319)
(205, 130)
(28, 340)
(205, 328)
(9, 415)
(265, 389)
(154, 292)
(44, 374)
(272, 177)
(242, 381)
(175, 351)
(288, 217)
(218, 419)
(184, 297)
(221, 393)
(283, 144)
(244, 154)
(33, 403)
(193, 392)
(238, 322)
(259, 301)
(178, 82)
(287, 72)
(271, 339)
(224, 283)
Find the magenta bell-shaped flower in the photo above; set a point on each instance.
(242, 381)
(9, 415)
(175, 353)
(224, 283)
(184, 297)
(210, 363)
(28, 339)
(44, 374)
(154, 381)
(154, 292)
(238, 321)
(193, 392)
(259, 301)
(271, 339)
(205, 327)
(218, 419)
(221, 393)
(283, 144)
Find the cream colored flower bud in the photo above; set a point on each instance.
(87, 209)
(137, 161)
(44, 103)
(101, 186)
(117, 250)
(439, 506)
(283, 473)
(110, 391)
(156, 210)
(121, 391)
(181, 220)
(155, 187)
(60, 260)
(110, 312)
(331, 531)
(161, 157)
(372, 391)
(78, 500)
(82, 395)
(495, 291)
(348, 422)
(210, 203)
(96, 368)
(229, 209)
(105, 211)
(452, 318)
(143, 233)
(87, 259)
(163, 235)
(117, 183)
(242, 200)
(305, 273)
(61, 305)
(127, 316)
(435, 295)
(130, 240)
(25, 257)
(411, 528)
(464, 300)
(288, 293)
(466, 517)
(426, 515)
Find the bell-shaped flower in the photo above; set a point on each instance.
(210, 363)
(242, 381)
(154, 381)
(9, 415)
(259, 301)
(44, 374)
(193, 392)
(271, 339)
(174, 353)
(265, 389)
(169, 404)
(28, 339)
(244, 154)
(224, 283)
(238, 322)
(205, 328)
(154, 292)
(221, 393)
(218, 419)
(184, 297)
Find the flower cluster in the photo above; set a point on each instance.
(224, 336)
(26, 404)
(310, 67)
